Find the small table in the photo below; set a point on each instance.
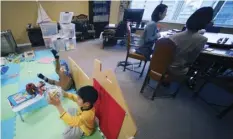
(20, 107)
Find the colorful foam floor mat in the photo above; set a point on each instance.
(41, 120)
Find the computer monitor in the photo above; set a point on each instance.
(133, 15)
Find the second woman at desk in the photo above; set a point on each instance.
(151, 34)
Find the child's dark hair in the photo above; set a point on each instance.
(88, 94)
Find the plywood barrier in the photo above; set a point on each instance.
(108, 81)
(79, 76)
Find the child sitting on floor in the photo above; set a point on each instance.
(65, 80)
(82, 121)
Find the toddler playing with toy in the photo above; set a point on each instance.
(65, 80)
(80, 121)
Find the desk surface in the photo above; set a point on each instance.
(212, 38)
(218, 52)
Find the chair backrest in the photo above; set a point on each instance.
(121, 29)
(128, 34)
(163, 55)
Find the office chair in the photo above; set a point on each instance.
(160, 62)
(131, 53)
(211, 28)
(111, 36)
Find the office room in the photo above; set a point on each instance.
(138, 69)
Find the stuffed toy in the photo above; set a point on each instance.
(31, 89)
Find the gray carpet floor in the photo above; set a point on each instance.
(163, 118)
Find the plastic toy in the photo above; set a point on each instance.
(55, 91)
(32, 89)
(4, 69)
(41, 87)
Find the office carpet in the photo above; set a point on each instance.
(41, 120)
(163, 118)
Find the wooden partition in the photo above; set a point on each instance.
(79, 76)
(107, 79)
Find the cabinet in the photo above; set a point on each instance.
(99, 12)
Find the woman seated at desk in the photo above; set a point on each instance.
(190, 42)
(151, 34)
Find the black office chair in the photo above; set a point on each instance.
(111, 36)
(211, 28)
(121, 30)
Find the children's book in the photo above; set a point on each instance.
(20, 97)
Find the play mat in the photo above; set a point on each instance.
(41, 120)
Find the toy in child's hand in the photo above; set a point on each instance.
(54, 91)
(31, 89)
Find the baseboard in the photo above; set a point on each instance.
(24, 44)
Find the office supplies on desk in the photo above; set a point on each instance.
(112, 25)
(225, 40)
(209, 49)
(176, 30)
(219, 40)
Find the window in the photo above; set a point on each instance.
(190, 6)
(225, 15)
(149, 8)
(147, 5)
(180, 10)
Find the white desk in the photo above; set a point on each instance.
(217, 52)
(19, 108)
(213, 37)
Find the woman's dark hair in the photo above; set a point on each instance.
(200, 19)
(88, 94)
(159, 9)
